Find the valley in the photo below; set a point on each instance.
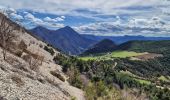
(47, 58)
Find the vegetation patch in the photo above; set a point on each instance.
(163, 78)
(49, 49)
(54, 73)
(115, 54)
(141, 81)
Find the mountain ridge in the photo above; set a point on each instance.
(66, 39)
(123, 39)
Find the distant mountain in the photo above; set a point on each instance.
(66, 39)
(123, 39)
(103, 46)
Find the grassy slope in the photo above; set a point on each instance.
(115, 54)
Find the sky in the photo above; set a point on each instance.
(97, 17)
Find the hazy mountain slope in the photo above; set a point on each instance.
(66, 39)
(123, 39)
(101, 47)
(26, 72)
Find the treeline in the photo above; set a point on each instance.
(151, 68)
(103, 74)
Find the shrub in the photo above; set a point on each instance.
(54, 73)
(40, 45)
(22, 45)
(18, 53)
(50, 50)
(17, 80)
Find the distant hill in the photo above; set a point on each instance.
(123, 39)
(103, 46)
(66, 39)
(162, 47)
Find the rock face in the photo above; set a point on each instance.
(26, 75)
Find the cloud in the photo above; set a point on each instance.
(111, 17)
(29, 16)
(47, 21)
(17, 17)
(154, 26)
(65, 6)
(58, 19)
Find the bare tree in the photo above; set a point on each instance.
(6, 34)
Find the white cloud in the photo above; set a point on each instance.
(58, 19)
(154, 26)
(17, 17)
(29, 16)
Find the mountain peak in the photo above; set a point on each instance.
(66, 39)
(40, 28)
(68, 28)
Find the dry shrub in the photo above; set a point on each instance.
(54, 73)
(39, 58)
(17, 80)
(31, 77)
(41, 80)
(22, 67)
(32, 42)
(18, 53)
(40, 45)
(2, 67)
(34, 63)
(22, 45)
(12, 60)
(27, 58)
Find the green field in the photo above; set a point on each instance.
(143, 81)
(115, 54)
(125, 54)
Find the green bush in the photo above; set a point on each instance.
(50, 50)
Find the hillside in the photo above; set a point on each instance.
(65, 39)
(103, 46)
(27, 70)
(162, 47)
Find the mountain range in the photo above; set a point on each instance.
(71, 42)
(123, 39)
(66, 39)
